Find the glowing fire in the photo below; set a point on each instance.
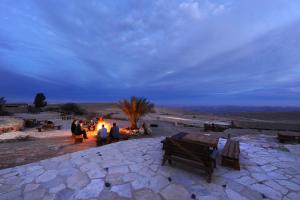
(102, 122)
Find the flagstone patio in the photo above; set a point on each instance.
(132, 170)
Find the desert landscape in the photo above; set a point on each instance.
(150, 100)
(268, 169)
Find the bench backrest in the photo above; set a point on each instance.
(187, 149)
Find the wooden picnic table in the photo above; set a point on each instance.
(206, 138)
(289, 136)
(194, 148)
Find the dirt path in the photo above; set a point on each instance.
(19, 153)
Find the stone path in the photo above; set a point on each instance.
(131, 170)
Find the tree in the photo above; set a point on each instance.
(39, 100)
(135, 109)
(2, 103)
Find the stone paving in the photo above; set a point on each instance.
(132, 170)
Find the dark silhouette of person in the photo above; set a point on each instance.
(73, 126)
(79, 130)
(114, 132)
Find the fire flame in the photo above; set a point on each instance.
(102, 122)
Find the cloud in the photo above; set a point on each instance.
(153, 48)
(197, 11)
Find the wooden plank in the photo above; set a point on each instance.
(189, 151)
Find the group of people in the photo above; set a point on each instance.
(77, 128)
(102, 135)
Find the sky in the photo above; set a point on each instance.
(185, 52)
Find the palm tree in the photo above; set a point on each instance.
(135, 109)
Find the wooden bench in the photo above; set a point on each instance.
(291, 136)
(231, 154)
(191, 152)
(58, 127)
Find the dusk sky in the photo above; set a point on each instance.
(184, 52)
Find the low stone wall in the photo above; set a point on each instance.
(8, 124)
(267, 125)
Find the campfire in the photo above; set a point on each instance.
(102, 122)
(108, 125)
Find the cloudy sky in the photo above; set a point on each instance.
(239, 52)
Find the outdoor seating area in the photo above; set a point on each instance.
(132, 170)
(31, 123)
(48, 125)
(196, 149)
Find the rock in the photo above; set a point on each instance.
(146, 194)
(158, 182)
(49, 197)
(251, 194)
(96, 173)
(246, 180)
(276, 187)
(30, 187)
(267, 191)
(35, 195)
(14, 195)
(47, 176)
(289, 185)
(77, 181)
(91, 190)
(122, 190)
(175, 192)
(294, 195)
(57, 188)
(232, 195)
(118, 169)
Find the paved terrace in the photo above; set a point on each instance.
(131, 170)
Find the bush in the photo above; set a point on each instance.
(72, 108)
(39, 100)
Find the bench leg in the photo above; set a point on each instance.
(209, 178)
(237, 165)
(164, 159)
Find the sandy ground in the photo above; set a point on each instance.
(168, 121)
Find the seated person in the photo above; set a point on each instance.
(114, 132)
(79, 130)
(73, 126)
(102, 136)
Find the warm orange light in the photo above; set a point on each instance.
(102, 122)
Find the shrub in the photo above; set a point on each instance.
(72, 108)
(39, 100)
